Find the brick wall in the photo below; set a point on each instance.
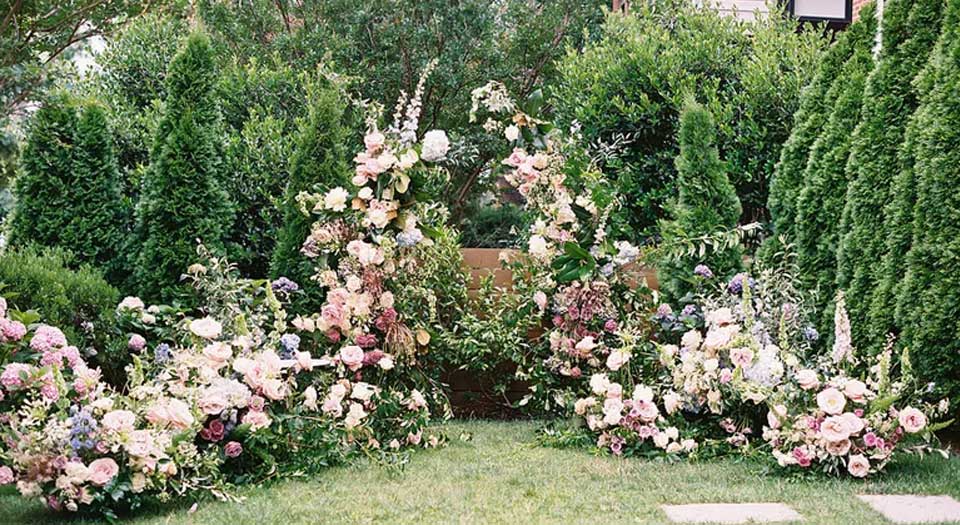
(857, 5)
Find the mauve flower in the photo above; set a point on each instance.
(372, 357)
(366, 341)
(214, 431)
(6, 475)
(703, 271)
(284, 285)
(233, 449)
(610, 325)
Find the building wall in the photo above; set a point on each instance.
(746, 9)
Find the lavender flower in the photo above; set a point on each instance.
(689, 310)
(162, 353)
(735, 286)
(703, 271)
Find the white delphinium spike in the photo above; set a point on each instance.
(842, 339)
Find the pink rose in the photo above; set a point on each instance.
(831, 401)
(213, 402)
(855, 391)
(352, 357)
(858, 466)
(119, 421)
(834, 429)
(256, 420)
(854, 423)
(807, 379)
(103, 470)
(233, 449)
(803, 459)
(838, 448)
(870, 439)
(540, 299)
(912, 420)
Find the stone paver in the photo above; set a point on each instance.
(731, 513)
(915, 509)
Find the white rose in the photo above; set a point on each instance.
(435, 146)
(512, 132)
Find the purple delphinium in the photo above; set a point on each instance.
(284, 285)
(703, 271)
(83, 428)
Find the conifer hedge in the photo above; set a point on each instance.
(929, 300)
(320, 159)
(910, 29)
(182, 200)
(707, 202)
(821, 200)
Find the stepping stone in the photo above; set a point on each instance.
(731, 513)
(915, 509)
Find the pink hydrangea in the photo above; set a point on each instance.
(12, 376)
(12, 331)
(47, 338)
(136, 343)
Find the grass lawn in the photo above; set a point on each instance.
(500, 476)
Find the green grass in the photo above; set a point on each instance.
(501, 476)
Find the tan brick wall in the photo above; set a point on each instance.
(857, 5)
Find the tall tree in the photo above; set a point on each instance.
(40, 215)
(182, 200)
(910, 29)
(707, 202)
(320, 159)
(929, 300)
(822, 198)
(97, 232)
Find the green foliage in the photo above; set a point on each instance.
(182, 199)
(628, 89)
(821, 200)
(34, 34)
(809, 120)
(929, 301)
(910, 29)
(97, 232)
(79, 301)
(320, 159)
(708, 202)
(132, 83)
(492, 227)
(42, 210)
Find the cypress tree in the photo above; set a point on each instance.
(910, 29)
(809, 120)
(821, 200)
(929, 299)
(97, 232)
(707, 202)
(42, 212)
(319, 161)
(897, 231)
(181, 199)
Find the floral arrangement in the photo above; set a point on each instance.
(828, 417)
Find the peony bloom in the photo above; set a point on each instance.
(807, 379)
(103, 470)
(858, 466)
(854, 423)
(831, 401)
(617, 359)
(599, 383)
(352, 357)
(206, 328)
(912, 420)
(691, 340)
(435, 146)
(310, 398)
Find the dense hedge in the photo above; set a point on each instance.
(182, 198)
(929, 301)
(320, 159)
(821, 200)
(897, 232)
(708, 202)
(78, 301)
(910, 29)
(815, 104)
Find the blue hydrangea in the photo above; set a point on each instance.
(162, 353)
(735, 286)
(285, 286)
(290, 344)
